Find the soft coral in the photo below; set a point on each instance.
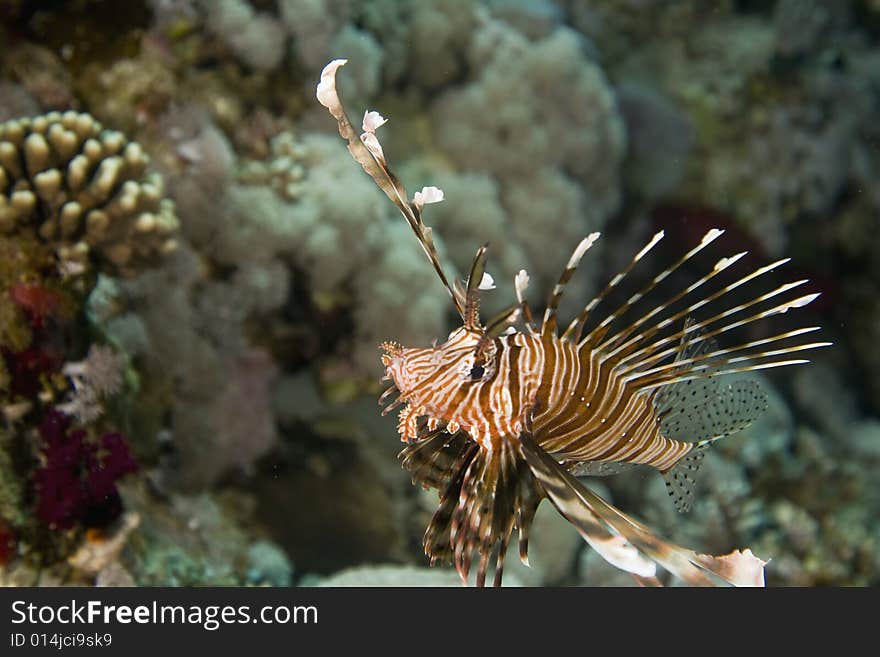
(77, 481)
(44, 355)
(39, 302)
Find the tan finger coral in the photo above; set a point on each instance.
(85, 190)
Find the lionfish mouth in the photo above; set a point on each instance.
(393, 361)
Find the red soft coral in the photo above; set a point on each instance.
(77, 480)
(39, 302)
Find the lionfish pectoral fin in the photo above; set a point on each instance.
(703, 411)
(484, 496)
(497, 494)
(626, 543)
(434, 458)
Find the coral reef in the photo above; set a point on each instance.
(556, 167)
(82, 189)
(74, 200)
(188, 339)
(380, 575)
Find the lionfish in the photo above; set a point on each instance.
(504, 414)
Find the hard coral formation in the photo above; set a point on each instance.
(282, 169)
(556, 166)
(74, 198)
(255, 215)
(84, 190)
(255, 37)
(517, 135)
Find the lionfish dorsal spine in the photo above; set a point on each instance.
(629, 348)
(707, 239)
(574, 329)
(711, 359)
(654, 352)
(367, 151)
(548, 325)
(620, 338)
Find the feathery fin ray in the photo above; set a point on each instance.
(491, 485)
(548, 325)
(374, 164)
(484, 495)
(635, 545)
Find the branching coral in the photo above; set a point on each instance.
(282, 170)
(498, 110)
(84, 190)
(425, 40)
(74, 198)
(288, 209)
(313, 25)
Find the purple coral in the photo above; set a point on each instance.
(77, 481)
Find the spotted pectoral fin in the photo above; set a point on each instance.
(702, 412)
(699, 411)
(439, 460)
(681, 478)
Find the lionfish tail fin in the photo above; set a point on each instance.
(484, 496)
(628, 544)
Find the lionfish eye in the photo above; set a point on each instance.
(477, 372)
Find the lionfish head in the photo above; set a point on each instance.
(430, 379)
(426, 376)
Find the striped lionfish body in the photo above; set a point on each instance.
(574, 404)
(504, 414)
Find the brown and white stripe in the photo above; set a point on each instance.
(497, 421)
(591, 398)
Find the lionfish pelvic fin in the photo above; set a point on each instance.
(484, 495)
